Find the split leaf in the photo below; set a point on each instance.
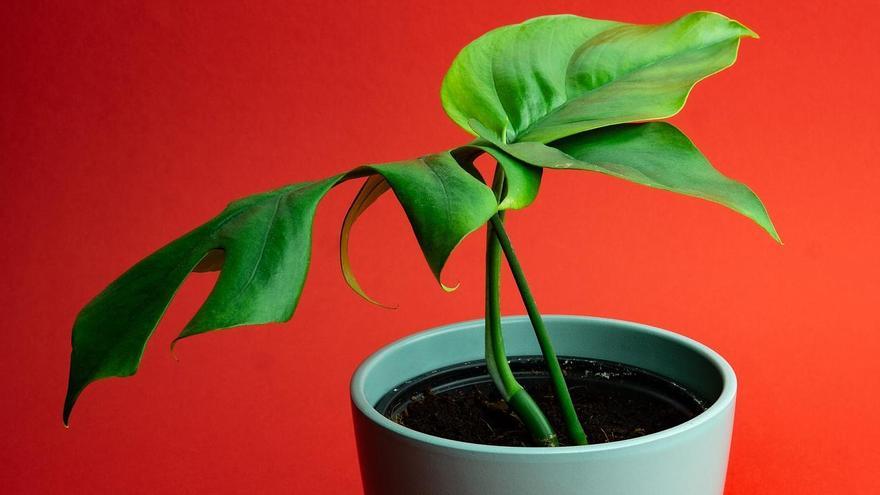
(262, 245)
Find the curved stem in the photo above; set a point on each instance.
(573, 425)
(496, 359)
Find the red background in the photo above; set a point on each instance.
(124, 125)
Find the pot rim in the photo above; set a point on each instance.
(725, 398)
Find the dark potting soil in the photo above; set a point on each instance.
(613, 401)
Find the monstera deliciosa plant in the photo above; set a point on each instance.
(555, 92)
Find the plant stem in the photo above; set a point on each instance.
(496, 359)
(572, 423)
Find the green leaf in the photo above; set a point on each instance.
(523, 180)
(373, 188)
(444, 203)
(266, 258)
(556, 76)
(265, 241)
(262, 245)
(654, 154)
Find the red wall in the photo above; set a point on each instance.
(124, 125)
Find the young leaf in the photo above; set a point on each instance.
(556, 76)
(522, 180)
(512, 74)
(654, 154)
(444, 203)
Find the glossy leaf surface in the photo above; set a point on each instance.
(556, 76)
(444, 203)
(265, 241)
(553, 92)
(522, 180)
(654, 154)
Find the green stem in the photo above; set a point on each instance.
(496, 359)
(573, 425)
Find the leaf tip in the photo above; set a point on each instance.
(69, 402)
(446, 288)
(768, 226)
(174, 345)
(76, 383)
(373, 301)
(750, 34)
(777, 238)
(744, 30)
(354, 285)
(741, 29)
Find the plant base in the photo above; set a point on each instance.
(688, 459)
(461, 402)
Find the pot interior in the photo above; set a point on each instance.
(683, 361)
(614, 401)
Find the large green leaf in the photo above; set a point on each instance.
(265, 240)
(262, 244)
(555, 76)
(654, 154)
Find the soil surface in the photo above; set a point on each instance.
(613, 401)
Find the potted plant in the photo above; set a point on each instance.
(627, 409)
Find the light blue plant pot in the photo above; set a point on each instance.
(689, 459)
